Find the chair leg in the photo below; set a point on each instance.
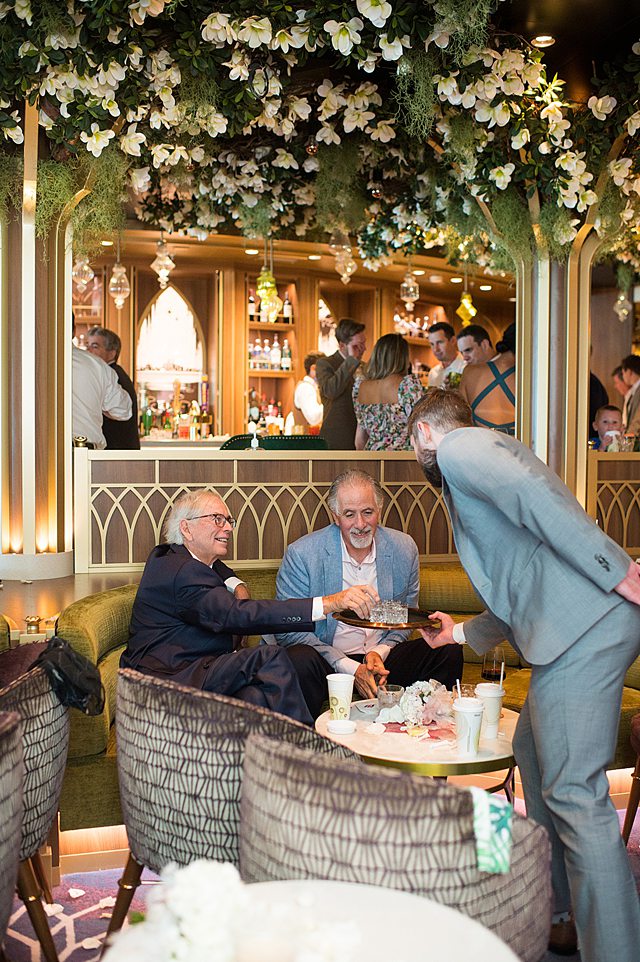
(30, 893)
(127, 886)
(41, 876)
(632, 804)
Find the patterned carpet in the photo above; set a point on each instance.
(83, 906)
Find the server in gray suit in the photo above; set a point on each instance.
(567, 597)
(335, 376)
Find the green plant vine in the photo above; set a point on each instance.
(340, 197)
(415, 93)
(11, 176)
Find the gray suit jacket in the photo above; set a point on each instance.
(633, 413)
(542, 567)
(335, 379)
(314, 564)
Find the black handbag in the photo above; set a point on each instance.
(74, 679)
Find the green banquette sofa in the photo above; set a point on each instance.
(97, 626)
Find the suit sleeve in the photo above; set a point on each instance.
(485, 631)
(293, 581)
(531, 496)
(202, 599)
(408, 594)
(334, 383)
(116, 403)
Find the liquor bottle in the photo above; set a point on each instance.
(264, 317)
(252, 306)
(285, 361)
(266, 355)
(250, 352)
(276, 355)
(287, 308)
(257, 355)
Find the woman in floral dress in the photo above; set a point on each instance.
(384, 397)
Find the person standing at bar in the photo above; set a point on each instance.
(335, 379)
(119, 435)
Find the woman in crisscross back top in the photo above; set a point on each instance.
(490, 388)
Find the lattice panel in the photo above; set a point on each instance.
(618, 512)
(276, 500)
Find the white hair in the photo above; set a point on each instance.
(353, 478)
(189, 505)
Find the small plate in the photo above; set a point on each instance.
(366, 707)
(416, 619)
(341, 726)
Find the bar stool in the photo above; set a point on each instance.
(634, 794)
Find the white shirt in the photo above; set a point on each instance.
(627, 400)
(306, 397)
(438, 373)
(349, 639)
(95, 391)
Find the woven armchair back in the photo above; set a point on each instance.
(10, 811)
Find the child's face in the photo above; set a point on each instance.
(606, 422)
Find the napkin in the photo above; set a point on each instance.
(394, 714)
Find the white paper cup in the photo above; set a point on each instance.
(491, 696)
(468, 715)
(340, 692)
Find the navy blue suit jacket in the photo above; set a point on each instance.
(184, 616)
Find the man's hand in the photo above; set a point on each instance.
(629, 587)
(360, 598)
(355, 350)
(439, 637)
(370, 675)
(240, 593)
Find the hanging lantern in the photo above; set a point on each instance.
(163, 263)
(119, 288)
(622, 307)
(409, 291)
(81, 274)
(266, 284)
(466, 309)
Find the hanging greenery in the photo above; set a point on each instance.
(255, 221)
(10, 184)
(340, 199)
(57, 185)
(415, 94)
(101, 213)
(513, 222)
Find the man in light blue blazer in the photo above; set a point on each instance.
(568, 599)
(356, 550)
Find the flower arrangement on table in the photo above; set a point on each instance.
(179, 924)
(425, 705)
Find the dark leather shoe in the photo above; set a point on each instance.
(563, 939)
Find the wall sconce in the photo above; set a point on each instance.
(33, 624)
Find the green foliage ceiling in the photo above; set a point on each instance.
(407, 124)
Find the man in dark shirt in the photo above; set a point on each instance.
(335, 376)
(190, 605)
(119, 435)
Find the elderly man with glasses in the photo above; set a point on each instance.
(190, 605)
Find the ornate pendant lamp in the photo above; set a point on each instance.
(466, 309)
(409, 290)
(340, 247)
(266, 288)
(163, 263)
(82, 274)
(119, 288)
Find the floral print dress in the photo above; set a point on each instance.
(386, 424)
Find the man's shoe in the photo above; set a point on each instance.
(563, 939)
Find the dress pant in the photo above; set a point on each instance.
(408, 662)
(564, 741)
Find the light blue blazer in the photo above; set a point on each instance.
(543, 568)
(313, 566)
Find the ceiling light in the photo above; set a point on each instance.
(252, 251)
(485, 287)
(315, 257)
(419, 272)
(163, 262)
(543, 40)
(435, 278)
(106, 243)
(456, 280)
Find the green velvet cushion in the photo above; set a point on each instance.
(90, 796)
(4, 634)
(261, 582)
(632, 678)
(444, 586)
(97, 624)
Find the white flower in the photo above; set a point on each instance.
(216, 123)
(513, 86)
(255, 31)
(22, 10)
(585, 199)
(160, 153)
(111, 106)
(601, 107)
(377, 11)
(131, 142)
(355, 118)
(532, 74)
(440, 35)
(285, 159)
(97, 140)
(392, 49)
(447, 86)
(552, 112)
(218, 29)
(565, 233)
(140, 179)
(344, 36)
(145, 8)
(14, 133)
(383, 131)
(520, 139)
(557, 130)
(299, 107)
(111, 75)
(114, 34)
(311, 165)
(636, 48)
(501, 176)
(633, 123)
(238, 65)
(369, 64)
(620, 170)
(332, 99)
(499, 114)
(572, 162)
(328, 135)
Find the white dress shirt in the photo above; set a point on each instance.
(306, 397)
(438, 373)
(95, 391)
(348, 638)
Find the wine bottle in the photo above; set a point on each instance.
(252, 306)
(276, 355)
(251, 353)
(266, 355)
(287, 308)
(285, 361)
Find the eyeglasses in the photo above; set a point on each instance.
(218, 519)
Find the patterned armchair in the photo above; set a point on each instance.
(10, 812)
(45, 740)
(180, 754)
(306, 816)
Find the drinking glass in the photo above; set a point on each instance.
(492, 664)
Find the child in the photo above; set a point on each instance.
(607, 425)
